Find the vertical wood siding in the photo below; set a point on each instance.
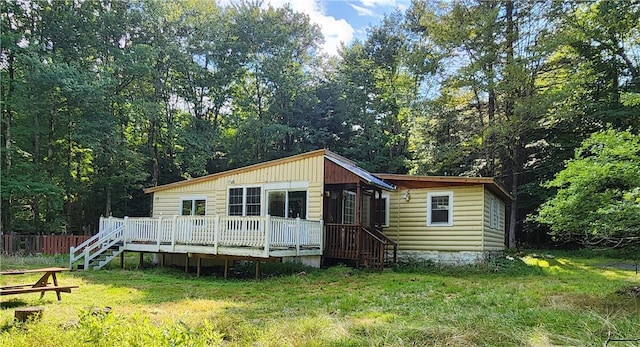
(309, 169)
(408, 221)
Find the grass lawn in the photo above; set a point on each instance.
(569, 299)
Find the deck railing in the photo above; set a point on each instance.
(263, 232)
(354, 242)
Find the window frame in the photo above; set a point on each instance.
(287, 192)
(193, 200)
(244, 201)
(430, 196)
(494, 212)
(347, 193)
(387, 204)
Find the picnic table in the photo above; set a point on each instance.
(42, 285)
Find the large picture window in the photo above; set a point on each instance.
(440, 209)
(244, 201)
(289, 204)
(193, 206)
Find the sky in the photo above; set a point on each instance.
(341, 20)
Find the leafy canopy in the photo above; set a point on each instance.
(598, 199)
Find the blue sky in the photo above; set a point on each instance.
(341, 20)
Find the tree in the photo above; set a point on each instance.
(598, 197)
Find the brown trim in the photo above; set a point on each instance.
(415, 182)
(319, 152)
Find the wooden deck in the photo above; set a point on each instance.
(256, 237)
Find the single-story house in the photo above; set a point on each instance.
(316, 207)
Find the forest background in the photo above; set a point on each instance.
(101, 99)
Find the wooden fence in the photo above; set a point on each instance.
(44, 244)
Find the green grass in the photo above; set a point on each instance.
(571, 299)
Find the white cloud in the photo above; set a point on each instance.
(374, 3)
(363, 11)
(334, 30)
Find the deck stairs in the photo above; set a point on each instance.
(364, 246)
(99, 250)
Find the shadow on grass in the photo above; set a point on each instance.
(12, 304)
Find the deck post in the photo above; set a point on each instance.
(71, 254)
(141, 261)
(122, 260)
(258, 270)
(125, 230)
(226, 267)
(216, 234)
(298, 225)
(174, 227)
(267, 231)
(186, 262)
(199, 266)
(322, 233)
(159, 230)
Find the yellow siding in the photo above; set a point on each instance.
(408, 221)
(493, 237)
(309, 170)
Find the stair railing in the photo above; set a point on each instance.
(372, 249)
(388, 242)
(94, 246)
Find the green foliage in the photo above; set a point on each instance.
(598, 197)
(560, 299)
(102, 329)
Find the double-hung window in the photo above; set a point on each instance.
(244, 201)
(440, 209)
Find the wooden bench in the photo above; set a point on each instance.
(40, 286)
(22, 290)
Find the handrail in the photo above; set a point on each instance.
(90, 245)
(383, 236)
(115, 236)
(373, 235)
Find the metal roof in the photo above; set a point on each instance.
(358, 171)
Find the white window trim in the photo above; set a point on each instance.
(293, 185)
(244, 199)
(435, 194)
(193, 198)
(286, 205)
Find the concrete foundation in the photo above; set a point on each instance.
(446, 257)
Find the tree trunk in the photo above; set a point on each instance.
(5, 204)
(513, 215)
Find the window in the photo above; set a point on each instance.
(349, 207)
(244, 201)
(494, 212)
(289, 204)
(193, 206)
(440, 209)
(382, 211)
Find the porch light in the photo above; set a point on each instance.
(407, 196)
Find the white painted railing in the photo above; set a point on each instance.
(264, 232)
